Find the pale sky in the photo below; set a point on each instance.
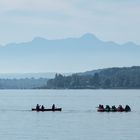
(110, 20)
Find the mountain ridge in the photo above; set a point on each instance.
(86, 36)
(70, 54)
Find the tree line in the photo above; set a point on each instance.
(111, 78)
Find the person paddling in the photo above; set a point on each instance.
(37, 107)
(120, 108)
(114, 109)
(127, 108)
(107, 108)
(53, 107)
(100, 106)
(42, 107)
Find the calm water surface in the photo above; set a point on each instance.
(79, 119)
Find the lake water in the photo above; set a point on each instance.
(78, 120)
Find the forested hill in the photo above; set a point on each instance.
(110, 78)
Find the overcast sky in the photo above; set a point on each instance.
(110, 20)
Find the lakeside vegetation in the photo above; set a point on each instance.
(111, 78)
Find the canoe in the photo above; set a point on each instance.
(103, 110)
(100, 110)
(113, 110)
(47, 109)
(120, 109)
(127, 110)
(107, 110)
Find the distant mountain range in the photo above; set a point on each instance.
(47, 75)
(71, 54)
(26, 75)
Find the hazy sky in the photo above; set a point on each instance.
(116, 20)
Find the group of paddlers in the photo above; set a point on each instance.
(101, 108)
(41, 107)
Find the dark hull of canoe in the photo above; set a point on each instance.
(106, 110)
(120, 110)
(124, 110)
(113, 110)
(101, 110)
(56, 109)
